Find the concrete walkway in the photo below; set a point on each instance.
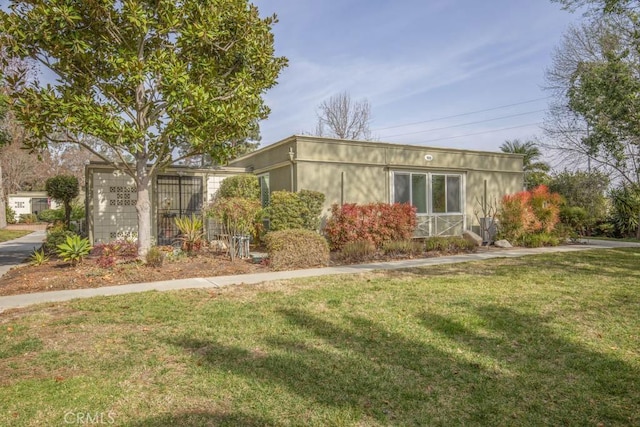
(16, 301)
(17, 251)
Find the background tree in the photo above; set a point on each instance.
(535, 171)
(142, 76)
(63, 189)
(586, 190)
(564, 128)
(340, 117)
(602, 90)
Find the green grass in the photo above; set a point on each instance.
(544, 340)
(12, 234)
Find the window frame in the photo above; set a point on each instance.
(429, 190)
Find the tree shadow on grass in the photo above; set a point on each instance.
(361, 368)
(575, 385)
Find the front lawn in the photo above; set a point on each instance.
(12, 234)
(544, 340)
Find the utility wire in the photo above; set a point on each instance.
(480, 133)
(466, 124)
(463, 114)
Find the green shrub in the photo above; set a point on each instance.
(625, 210)
(539, 240)
(51, 215)
(449, 244)
(358, 251)
(56, 235)
(74, 249)
(313, 202)
(289, 210)
(293, 249)
(10, 214)
(402, 247)
(191, 233)
(285, 211)
(28, 218)
(154, 257)
(244, 186)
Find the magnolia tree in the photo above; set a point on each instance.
(144, 77)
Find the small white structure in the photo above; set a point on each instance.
(30, 202)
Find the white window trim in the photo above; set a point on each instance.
(463, 190)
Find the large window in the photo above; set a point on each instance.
(429, 193)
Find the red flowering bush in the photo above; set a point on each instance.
(375, 222)
(109, 254)
(529, 212)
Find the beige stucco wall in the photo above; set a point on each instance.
(360, 171)
(111, 198)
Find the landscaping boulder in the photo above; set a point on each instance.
(472, 237)
(502, 244)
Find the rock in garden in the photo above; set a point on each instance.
(502, 244)
(472, 237)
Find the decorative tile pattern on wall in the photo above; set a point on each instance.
(114, 208)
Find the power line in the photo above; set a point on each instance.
(463, 114)
(466, 124)
(480, 133)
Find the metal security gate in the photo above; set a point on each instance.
(177, 196)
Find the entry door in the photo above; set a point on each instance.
(177, 196)
(38, 205)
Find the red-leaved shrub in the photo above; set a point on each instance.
(528, 212)
(375, 222)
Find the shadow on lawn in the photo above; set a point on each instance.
(574, 380)
(533, 376)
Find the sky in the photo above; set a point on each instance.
(465, 74)
(417, 61)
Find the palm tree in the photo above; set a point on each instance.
(535, 171)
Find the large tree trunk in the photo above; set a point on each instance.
(143, 206)
(3, 211)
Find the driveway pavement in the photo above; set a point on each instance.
(17, 251)
(15, 301)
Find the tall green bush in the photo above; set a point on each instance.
(245, 186)
(289, 210)
(313, 201)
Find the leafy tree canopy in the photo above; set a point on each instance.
(142, 76)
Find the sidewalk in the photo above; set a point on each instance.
(16, 301)
(17, 251)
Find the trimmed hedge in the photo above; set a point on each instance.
(375, 222)
(289, 210)
(296, 248)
